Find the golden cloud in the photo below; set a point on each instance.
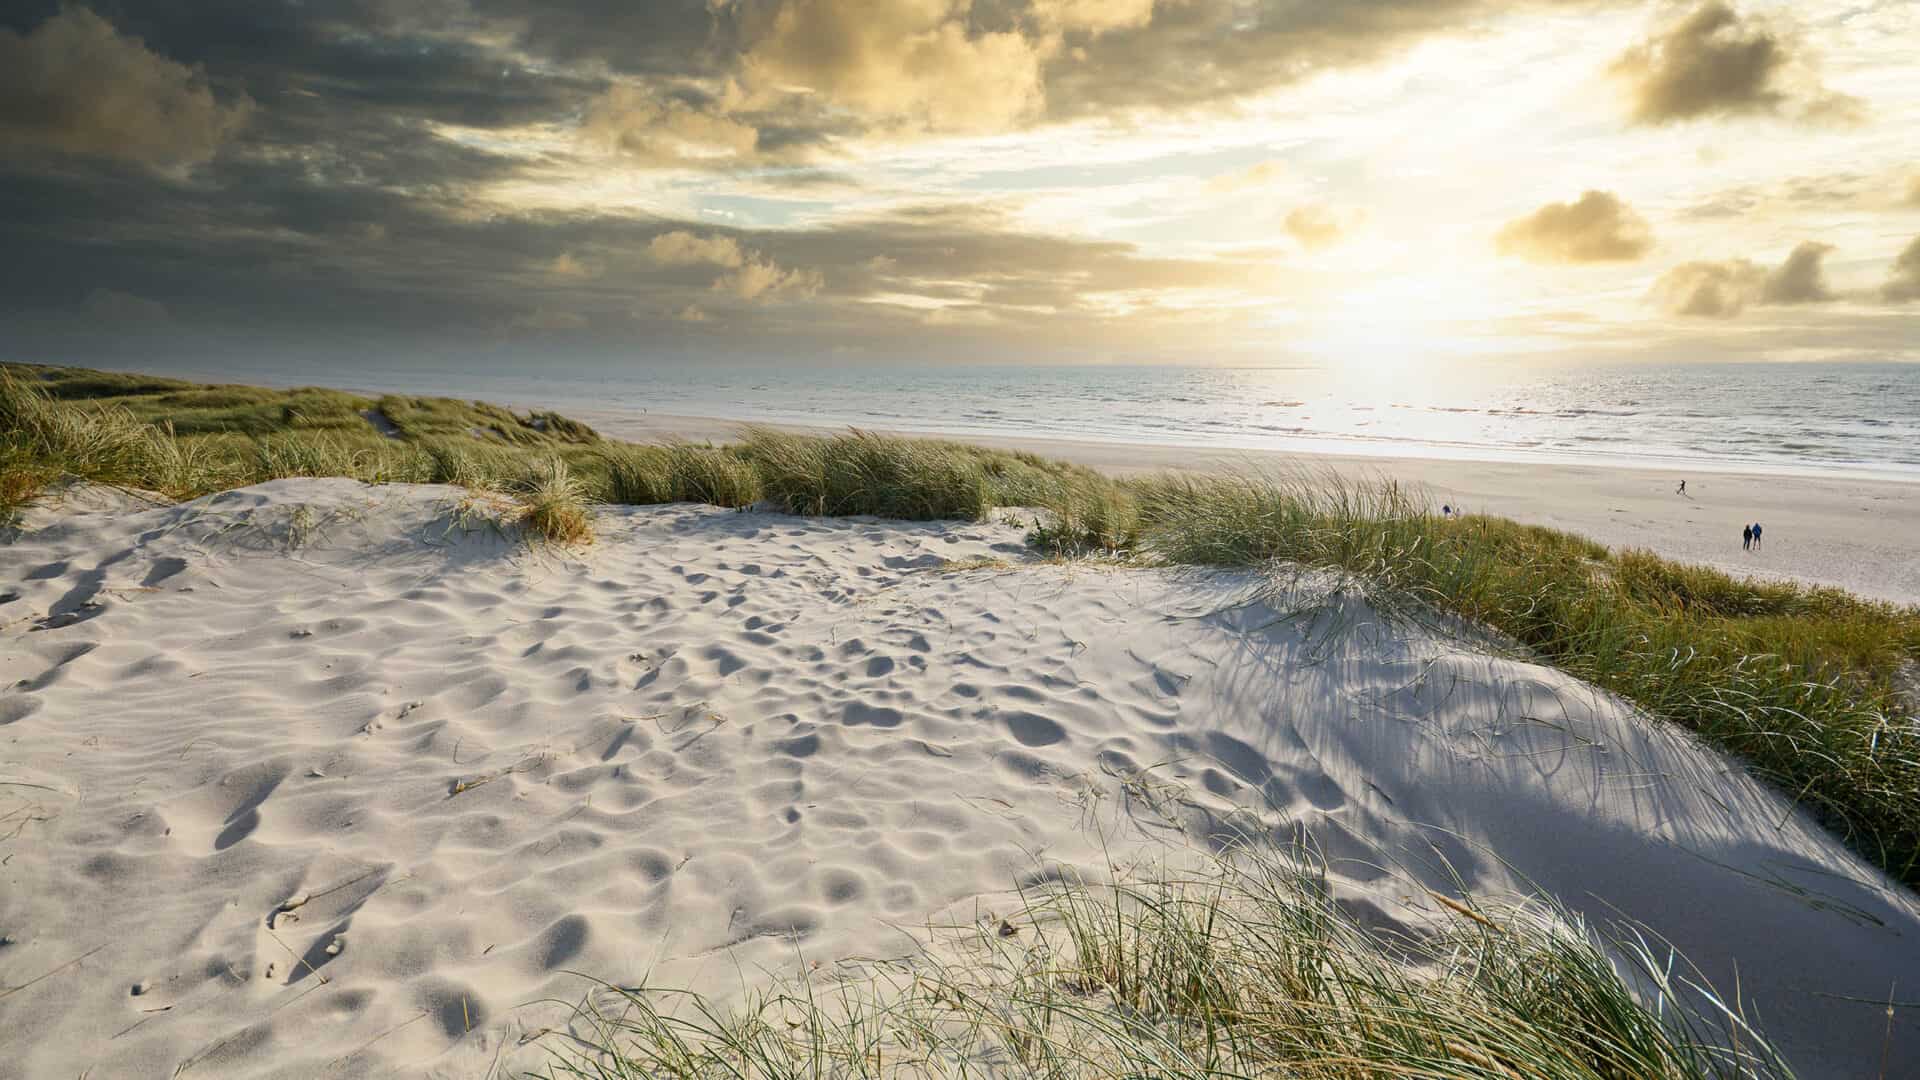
(1801, 279)
(1717, 62)
(1317, 227)
(911, 62)
(682, 248)
(1721, 290)
(1903, 284)
(1595, 228)
(663, 131)
(763, 279)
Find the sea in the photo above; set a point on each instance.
(1838, 418)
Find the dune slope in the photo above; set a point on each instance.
(314, 778)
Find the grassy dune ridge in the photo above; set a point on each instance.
(1802, 684)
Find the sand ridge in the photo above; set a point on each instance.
(344, 781)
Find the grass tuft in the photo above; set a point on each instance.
(1243, 965)
(711, 474)
(864, 473)
(553, 506)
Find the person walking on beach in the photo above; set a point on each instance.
(1746, 538)
(1756, 536)
(1682, 489)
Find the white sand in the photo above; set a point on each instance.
(721, 743)
(1859, 533)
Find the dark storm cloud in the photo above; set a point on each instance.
(425, 59)
(75, 85)
(653, 37)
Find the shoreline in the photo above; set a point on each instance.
(697, 424)
(1845, 532)
(707, 426)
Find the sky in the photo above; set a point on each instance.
(1371, 183)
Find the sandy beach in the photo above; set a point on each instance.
(320, 779)
(1856, 533)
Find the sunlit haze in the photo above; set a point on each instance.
(1381, 186)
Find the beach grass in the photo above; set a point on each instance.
(1224, 965)
(1801, 684)
(553, 505)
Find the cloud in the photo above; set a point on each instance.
(655, 130)
(1801, 279)
(1316, 227)
(692, 313)
(1717, 62)
(1721, 290)
(1093, 16)
(920, 63)
(1595, 228)
(1258, 175)
(681, 248)
(763, 279)
(75, 85)
(1200, 52)
(564, 265)
(1903, 282)
(548, 319)
(751, 275)
(110, 305)
(1853, 190)
(1712, 290)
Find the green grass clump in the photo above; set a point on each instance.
(864, 473)
(716, 475)
(634, 475)
(420, 418)
(42, 439)
(1244, 966)
(637, 475)
(552, 506)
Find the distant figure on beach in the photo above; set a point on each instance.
(1446, 511)
(1746, 538)
(1682, 489)
(1756, 536)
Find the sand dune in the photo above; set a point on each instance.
(319, 779)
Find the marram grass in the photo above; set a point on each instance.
(1232, 965)
(1801, 684)
(553, 506)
